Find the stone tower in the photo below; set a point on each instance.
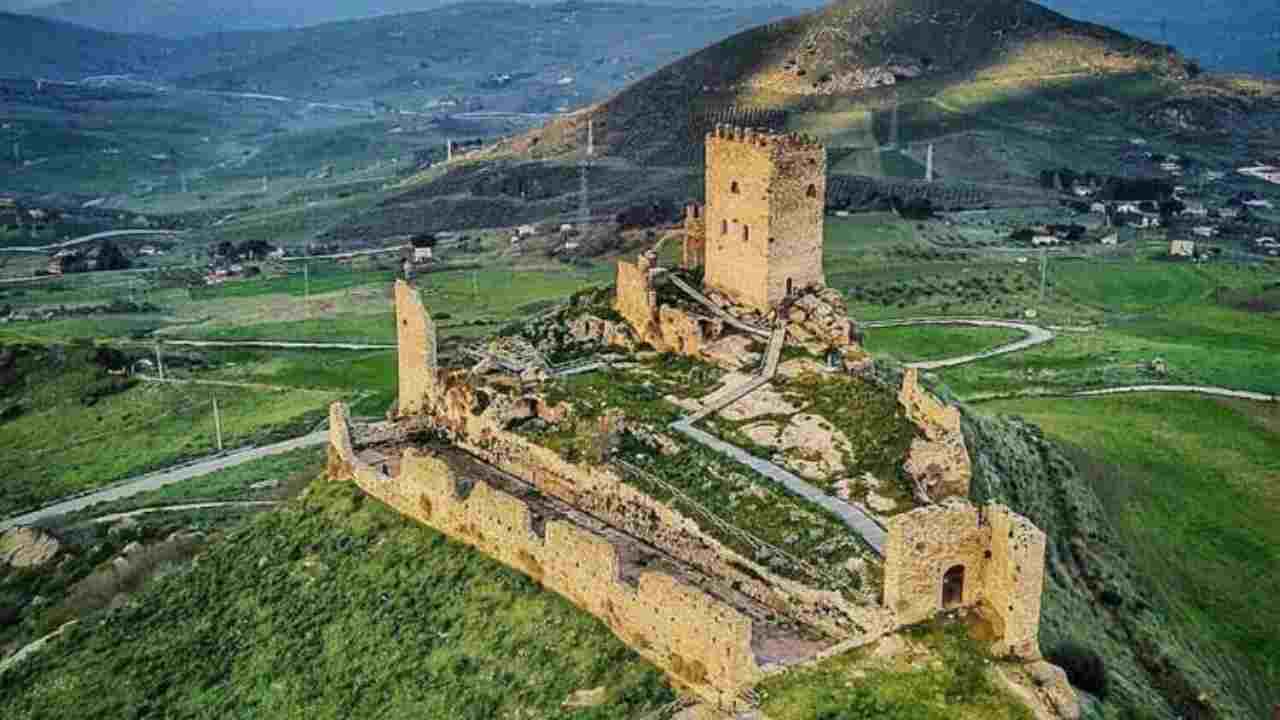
(765, 199)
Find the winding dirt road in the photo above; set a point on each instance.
(1035, 335)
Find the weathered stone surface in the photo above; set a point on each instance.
(939, 463)
(1000, 558)
(587, 698)
(26, 547)
(764, 215)
(694, 252)
(416, 337)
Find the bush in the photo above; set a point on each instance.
(1084, 667)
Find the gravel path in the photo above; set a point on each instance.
(156, 480)
(113, 517)
(84, 239)
(1036, 335)
(1198, 389)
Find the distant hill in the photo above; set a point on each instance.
(870, 49)
(172, 18)
(37, 48)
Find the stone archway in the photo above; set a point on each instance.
(953, 587)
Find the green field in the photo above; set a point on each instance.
(331, 607)
(934, 342)
(1193, 486)
(76, 428)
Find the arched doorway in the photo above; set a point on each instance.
(953, 587)
(790, 288)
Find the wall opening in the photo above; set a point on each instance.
(812, 191)
(733, 187)
(790, 287)
(746, 233)
(724, 227)
(953, 587)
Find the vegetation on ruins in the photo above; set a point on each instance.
(944, 676)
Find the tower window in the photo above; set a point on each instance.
(733, 187)
(746, 233)
(724, 227)
(812, 191)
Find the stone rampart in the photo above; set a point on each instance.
(938, 463)
(956, 555)
(602, 493)
(703, 643)
(416, 339)
(635, 299)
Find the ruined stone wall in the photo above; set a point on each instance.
(764, 215)
(939, 462)
(703, 643)
(694, 253)
(600, 492)
(635, 299)
(416, 338)
(1014, 581)
(1003, 559)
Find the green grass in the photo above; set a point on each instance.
(934, 342)
(849, 687)
(58, 445)
(1193, 486)
(230, 484)
(356, 611)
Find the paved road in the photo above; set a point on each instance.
(1036, 335)
(1198, 389)
(84, 239)
(113, 517)
(162, 478)
(855, 519)
(282, 344)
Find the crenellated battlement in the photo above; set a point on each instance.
(764, 138)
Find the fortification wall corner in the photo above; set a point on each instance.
(694, 252)
(938, 463)
(954, 555)
(635, 299)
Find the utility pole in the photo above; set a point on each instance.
(1044, 272)
(584, 199)
(306, 289)
(475, 288)
(448, 150)
(928, 166)
(159, 362)
(217, 422)
(17, 153)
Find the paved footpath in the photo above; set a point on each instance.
(156, 480)
(1036, 335)
(855, 519)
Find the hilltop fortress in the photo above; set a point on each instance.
(656, 523)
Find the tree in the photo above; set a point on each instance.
(110, 257)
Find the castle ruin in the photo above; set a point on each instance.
(706, 609)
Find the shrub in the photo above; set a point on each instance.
(1084, 667)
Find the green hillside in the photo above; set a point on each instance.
(336, 607)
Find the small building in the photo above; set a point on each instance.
(1110, 239)
(422, 255)
(1040, 240)
(1128, 209)
(1195, 210)
(276, 254)
(1204, 231)
(1182, 248)
(1229, 213)
(526, 230)
(1098, 208)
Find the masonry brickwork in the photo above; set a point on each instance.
(694, 252)
(702, 642)
(765, 196)
(996, 555)
(666, 328)
(416, 339)
(939, 462)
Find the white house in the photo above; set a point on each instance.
(526, 230)
(1046, 240)
(1112, 239)
(1182, 248)
(422, 254)
(1204, 231)
(148, 250)
(1098, 208)
(1128, 209)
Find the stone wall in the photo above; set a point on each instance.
(602, 493)
(1002, 556)
(694, 253)
(765, 198)
(939, 462)
(703, 643)
(416, 339)
(634, 298)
